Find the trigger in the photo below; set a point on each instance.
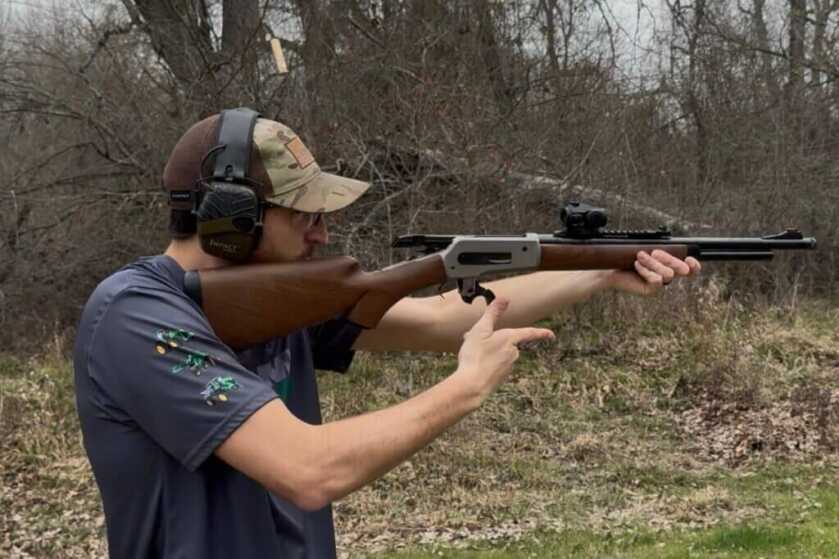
(487, 294)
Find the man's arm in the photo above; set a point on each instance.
(312, 465)
(438, 323)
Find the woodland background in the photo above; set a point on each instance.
(704, 421)
(468, 116)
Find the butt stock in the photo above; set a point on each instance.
(251, 304)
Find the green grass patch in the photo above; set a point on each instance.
(748, 539)
(10, 366)
(816, 534)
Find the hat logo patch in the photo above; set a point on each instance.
(300, 152)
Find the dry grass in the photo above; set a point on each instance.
(50, 504)
(636, 417)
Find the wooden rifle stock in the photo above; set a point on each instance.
(251, 304)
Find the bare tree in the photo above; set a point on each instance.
(208, 70)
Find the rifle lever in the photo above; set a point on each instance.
(470, 289)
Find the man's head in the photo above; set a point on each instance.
(221, 175)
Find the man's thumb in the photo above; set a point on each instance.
(493, 312)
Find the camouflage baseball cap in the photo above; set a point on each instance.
(283, 168)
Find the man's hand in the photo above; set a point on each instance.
(653, 271)
(487, 355)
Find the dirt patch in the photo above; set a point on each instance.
(803, 427)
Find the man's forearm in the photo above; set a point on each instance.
(363, 448)
(532, 297)
(312, 465)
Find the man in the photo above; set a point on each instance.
(200, 451)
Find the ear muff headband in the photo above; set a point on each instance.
(229, 212)
(235, 134)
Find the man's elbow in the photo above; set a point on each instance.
(315, 484)
(299, 468)
(306, 491)
(312, 499)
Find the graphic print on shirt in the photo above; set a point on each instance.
(194, 360)
(278, 370)
(217, 389)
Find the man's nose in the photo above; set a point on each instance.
(318, 233)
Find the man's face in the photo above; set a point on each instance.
(288, 235)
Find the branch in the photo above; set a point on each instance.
(458, 168)
(365, 32)
(559, 188)
(781, 54)
(101, 43)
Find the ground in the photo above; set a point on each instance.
(690, 425)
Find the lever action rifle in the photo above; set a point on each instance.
(251, 304)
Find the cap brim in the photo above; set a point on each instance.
(325, 193)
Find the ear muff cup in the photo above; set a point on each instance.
(227, 207)
(229, 220)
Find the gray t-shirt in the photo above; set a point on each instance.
(157, 392)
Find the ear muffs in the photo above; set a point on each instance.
(228, 210)
(229, 221)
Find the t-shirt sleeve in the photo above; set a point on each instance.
(155, 356)
(332, 343)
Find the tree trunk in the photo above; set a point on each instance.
(181, 34)
(491, 56)
(761, 36)
(795, 80)
(241, 23)
(318, 53)
(824, 9)
(693, 102)
(549, 8)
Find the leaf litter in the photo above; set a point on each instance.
(642, 432)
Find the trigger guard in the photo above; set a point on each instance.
(470, 290)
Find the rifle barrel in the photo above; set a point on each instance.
(706, 248)
(704, 243)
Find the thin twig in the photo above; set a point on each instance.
(366, 33)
